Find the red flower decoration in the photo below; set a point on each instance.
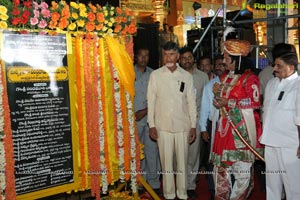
(15, 11)
(27, 4)
(24, 20)
(16, 2)
(15, 21)
(26, 14)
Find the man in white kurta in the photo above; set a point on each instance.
(172, 119)
(281, 132)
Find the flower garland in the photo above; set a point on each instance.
(9, 162)
(129, 48)
(106, 107)
(95, 134)
(2, 152)
(119, 125)
(133, 146)
(92, 117)
(127, 144)
(78, 57)
(101, 90)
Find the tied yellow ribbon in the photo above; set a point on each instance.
(123, 63)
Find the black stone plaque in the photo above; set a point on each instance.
(38, 93)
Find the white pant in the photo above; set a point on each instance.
(282, 168)
(168, 145)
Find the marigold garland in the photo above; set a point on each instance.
(92, 120)
(10, 191)
(129, 49)
(2, 152)
(128, 43)
(95, 123)
(129, 46)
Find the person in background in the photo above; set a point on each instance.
(165, 35)
(206, 66)
(172, 118)
(187, 62)
(150, 165)
(173, 36)
(281, 128)
(237, 98)
(168, 35)
(209, 113)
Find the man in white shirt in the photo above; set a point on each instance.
(281, 129)
(200, 78)
(264, 76)
(172, 118)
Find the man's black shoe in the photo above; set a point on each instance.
(192, 194)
